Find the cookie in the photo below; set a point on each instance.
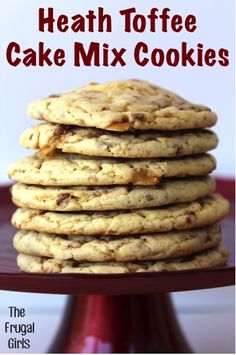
(210, 258)
(61, 169)
(100, 198)
(47, 137)
(199, 213)
(123, 105)
(113, 248)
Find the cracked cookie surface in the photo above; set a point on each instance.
(105, 198)
(48, 137)
(210, 258)
(122, 248)
(61, 169)
(123, 105)
(199, 213)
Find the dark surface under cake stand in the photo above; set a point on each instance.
(126, 313)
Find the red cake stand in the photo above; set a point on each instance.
(130, 313)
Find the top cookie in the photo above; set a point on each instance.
(123, 105)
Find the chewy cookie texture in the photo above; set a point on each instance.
(119, 183)
(105, 198)
(210, 258)
(61, 169)
(48, 137)
(123, 105)
(109, 248)
(180, 216)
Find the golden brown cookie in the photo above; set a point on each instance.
(180, 216)
(47, 137)
(72, 170)
(102, 198)
(113, 248)
(123, 105)
(210, 258)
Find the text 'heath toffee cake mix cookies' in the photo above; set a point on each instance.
(119, 184)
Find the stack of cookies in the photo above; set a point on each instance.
(120, 183)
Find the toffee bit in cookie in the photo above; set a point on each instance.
(143, 177)
(46, 150)
(62, 198)
(149, 197)
(54, 96)
(118, 126)
(190, 218)
(60, 131)
(97, 193)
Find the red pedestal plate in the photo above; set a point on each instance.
(121, 324)
(129, 313)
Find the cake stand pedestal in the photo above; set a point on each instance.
(130, 313)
